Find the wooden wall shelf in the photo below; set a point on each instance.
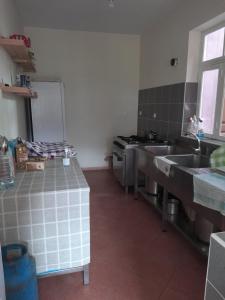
(19, 53)
(19, 91)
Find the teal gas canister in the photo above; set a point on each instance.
(19, 273)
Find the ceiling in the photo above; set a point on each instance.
(127, 16)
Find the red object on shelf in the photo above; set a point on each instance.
(25, 39)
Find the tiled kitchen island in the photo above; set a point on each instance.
(49, 210)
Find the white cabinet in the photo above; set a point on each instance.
(215, 282)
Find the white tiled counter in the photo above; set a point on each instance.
(50, 211)
(215, 285)
(2, 282)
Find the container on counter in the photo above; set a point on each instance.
(35, 165)
(21, 156)
(7, 167)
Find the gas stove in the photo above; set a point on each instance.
(135, 140)
(124, 156)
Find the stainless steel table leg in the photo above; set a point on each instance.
(86, 278)
(136, 193)
(135, 182)
(164, 212)
(135, 185)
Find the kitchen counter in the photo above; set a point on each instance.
(49, 210)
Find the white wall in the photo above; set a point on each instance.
(169, 38)
(101, 76)
(12, 116)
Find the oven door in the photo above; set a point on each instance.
(119, 166)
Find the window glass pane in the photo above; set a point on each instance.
(222, 125)
(208, 99)
(213, 46)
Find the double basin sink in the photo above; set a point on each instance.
(180, 179)
(180, 156)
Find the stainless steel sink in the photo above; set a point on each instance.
(180, 181)
(165, 150)
(191, 160)
(144, 156)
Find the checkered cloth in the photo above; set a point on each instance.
(217, 158)
(49, 150)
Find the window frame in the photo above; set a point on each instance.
(215, 63)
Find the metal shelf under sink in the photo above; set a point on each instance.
(180, 223)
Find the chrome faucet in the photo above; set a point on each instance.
(197, 150)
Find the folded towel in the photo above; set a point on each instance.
(209, 191)
(221, 169)
(163, 164)
(217, 158)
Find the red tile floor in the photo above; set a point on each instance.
(132, 259)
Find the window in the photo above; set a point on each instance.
(208, 98)
(213, 45)
(211, 108)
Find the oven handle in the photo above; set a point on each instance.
(119, 158)
(118, 145)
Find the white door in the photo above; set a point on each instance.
(48, 112)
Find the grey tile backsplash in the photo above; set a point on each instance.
(190, 103)
(163, 109)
